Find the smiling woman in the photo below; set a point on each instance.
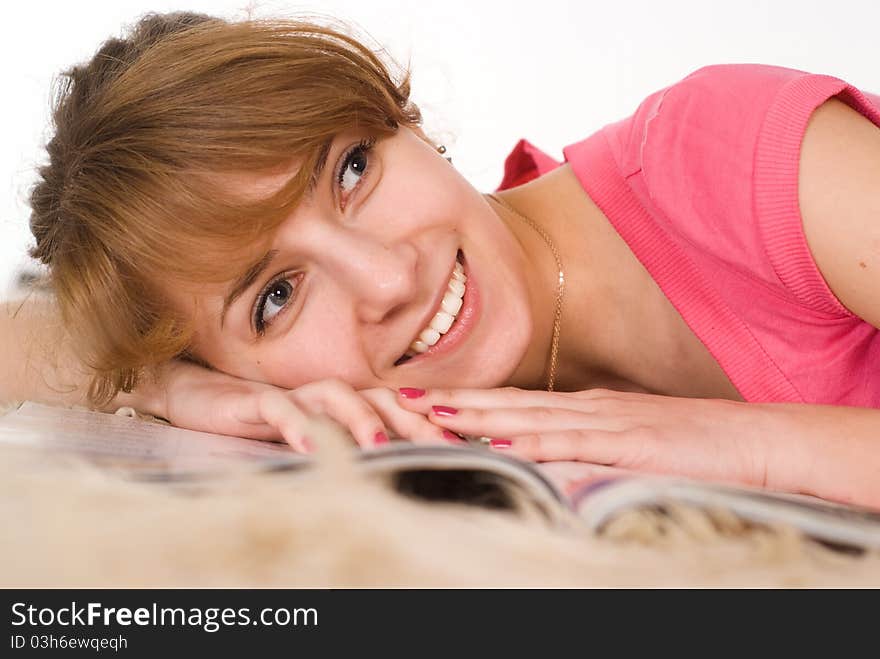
(147, 134)
(246, 225)
(360, 271)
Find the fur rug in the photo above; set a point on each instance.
(66, 523)
(69, 524)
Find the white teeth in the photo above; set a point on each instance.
(441, 322)
(443, 319)
(456, 287)
(451, 303)
(430, 336)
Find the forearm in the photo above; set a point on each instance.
(828, 451)
(42, 363)
(39, 362)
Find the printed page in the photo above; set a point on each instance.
(141, 447)
(600, 501)
(155, 451)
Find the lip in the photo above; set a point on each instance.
(465, 319)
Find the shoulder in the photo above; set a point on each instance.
(839, 198)
(695, 148)
(717, 106)
(739, 84)
(713, 115)
(723, 91)
(777, 171)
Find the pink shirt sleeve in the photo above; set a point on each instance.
(717, 155)
(702, 184)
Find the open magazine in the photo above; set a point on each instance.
(158, 452)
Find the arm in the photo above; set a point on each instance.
(837, 448)
(822, 450)
(828, 451)
(40, 363)
(839, 198)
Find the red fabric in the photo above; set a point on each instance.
(524, 163)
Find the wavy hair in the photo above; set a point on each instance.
(131, 195)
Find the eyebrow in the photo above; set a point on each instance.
(319, 164)
(250, 275)
(245, 282)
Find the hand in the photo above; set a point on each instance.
(698, 438)
(199, 399)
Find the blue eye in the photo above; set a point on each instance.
(272, 301)
(354, 166)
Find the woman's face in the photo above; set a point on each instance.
(359, 271)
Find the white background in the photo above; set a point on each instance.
(485, 73)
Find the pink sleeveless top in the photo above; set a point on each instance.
(702, 184)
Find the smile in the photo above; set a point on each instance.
(444, 318)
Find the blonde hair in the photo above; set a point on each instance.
(131, 195)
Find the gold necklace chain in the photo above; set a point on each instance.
(560, 289)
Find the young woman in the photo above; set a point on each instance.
(245, 225)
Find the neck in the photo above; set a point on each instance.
(535, 369)
(602, 305)
(618, 330)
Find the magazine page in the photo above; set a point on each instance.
(468, 475)
(160, 452)
(140, 448)
(598, 502)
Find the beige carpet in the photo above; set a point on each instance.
(65, 523)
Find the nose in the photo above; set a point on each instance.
(380, 278)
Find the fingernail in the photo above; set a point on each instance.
(442, 410)
(307, 445)
(500, 443)
(410, 392)
(452, 437)
(380, 438)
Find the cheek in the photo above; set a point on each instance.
(507, 323)
(319, 349)
(511, 331)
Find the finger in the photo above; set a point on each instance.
(279, 411)
(242, 417)
(507, 422)
(234, 413)
(417, 429)
(346, 406)
(421, 400)
(261, 431)
(602, 447)
(404, 424)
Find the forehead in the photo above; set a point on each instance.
(199, 298)
(251, 187)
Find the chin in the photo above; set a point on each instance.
(500, 360)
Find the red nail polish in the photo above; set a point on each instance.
(500, 443)
(451, 437)
(411, 392)
(380, 438)
(442, 410)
